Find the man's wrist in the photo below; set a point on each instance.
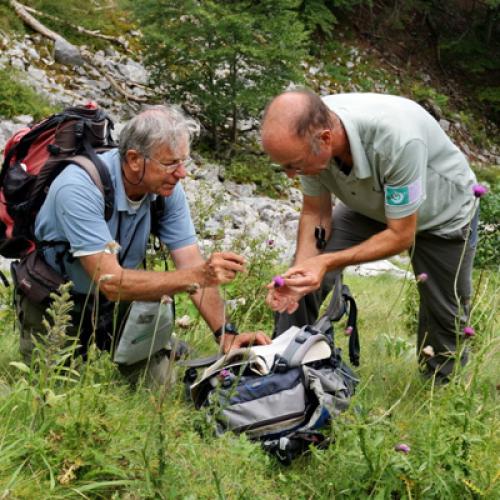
(227, 328)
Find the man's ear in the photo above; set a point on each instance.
(133, 159)
(325, 137)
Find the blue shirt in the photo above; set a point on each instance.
(74, 212)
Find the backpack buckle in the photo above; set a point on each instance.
(280, 364)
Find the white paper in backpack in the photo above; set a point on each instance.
(148, 329)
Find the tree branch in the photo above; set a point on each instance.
(80, 29)
(22, 11)
(33, 23)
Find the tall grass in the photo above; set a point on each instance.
(87, 434)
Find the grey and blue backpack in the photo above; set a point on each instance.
(284, 394)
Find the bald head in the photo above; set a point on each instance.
(295, 113)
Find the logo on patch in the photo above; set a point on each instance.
(403, 195)
(397, 196)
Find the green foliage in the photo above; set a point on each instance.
(227, 58)
(317, 17)
(425, 92)
(109, 17)
(491, 97)
(20, 99)
(246, 168)
(9, 22)
(93, 436)
(488, 249)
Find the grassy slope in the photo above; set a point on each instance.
(96, 436)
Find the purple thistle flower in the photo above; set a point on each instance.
(270, 243)
(479, 190)
(469, 331)
(278, 281)
(422, 277)
(348, 330)
(403, 448)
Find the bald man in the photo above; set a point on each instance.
(401, 184)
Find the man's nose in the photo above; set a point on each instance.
(180, 172)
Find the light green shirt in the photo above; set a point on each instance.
(403, 163)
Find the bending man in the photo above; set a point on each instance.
(402, 183)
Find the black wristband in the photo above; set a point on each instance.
(229, 328)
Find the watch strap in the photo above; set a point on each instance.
(228, 328)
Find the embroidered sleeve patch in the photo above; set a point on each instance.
(398, 196)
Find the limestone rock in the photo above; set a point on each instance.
(66, 53)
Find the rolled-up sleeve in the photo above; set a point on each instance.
(405, 181)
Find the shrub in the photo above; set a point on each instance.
(226, 59)
(19, 99)
(488, 249)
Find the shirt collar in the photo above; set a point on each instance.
(361, 166)
(112, 158)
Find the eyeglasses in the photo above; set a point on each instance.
(287, 169)
(170, 168)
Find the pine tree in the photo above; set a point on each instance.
(223, 59)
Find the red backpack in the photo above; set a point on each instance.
(35, 155)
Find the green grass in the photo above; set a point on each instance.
(109, 17)
(95, 437)
(19, 99)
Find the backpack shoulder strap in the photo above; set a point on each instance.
(89, 167)
(352, 326)
(342, 302)
(296, 350)
(108, 188)
(157, 208)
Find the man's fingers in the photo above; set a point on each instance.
(226, 264)
(231, 256)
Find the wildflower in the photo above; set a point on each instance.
(166, 299)
(223, 374)
(403, 448)
(183, 321)
(106, 277)
(422, 277)
(232, 304)
(270, 243)
(113, 247)
(428, 350)
(278, 281)
(348, 330)
(469, 331)
(479, 190)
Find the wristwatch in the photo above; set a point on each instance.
(228, 328)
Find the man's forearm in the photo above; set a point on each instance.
(211, 306)
(132, 284)
(381, 245)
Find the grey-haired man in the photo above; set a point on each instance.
(150, 162)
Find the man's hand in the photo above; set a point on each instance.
(221, 268)
(299, 280)
(243, 340)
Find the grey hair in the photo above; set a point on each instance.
(156, 126)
